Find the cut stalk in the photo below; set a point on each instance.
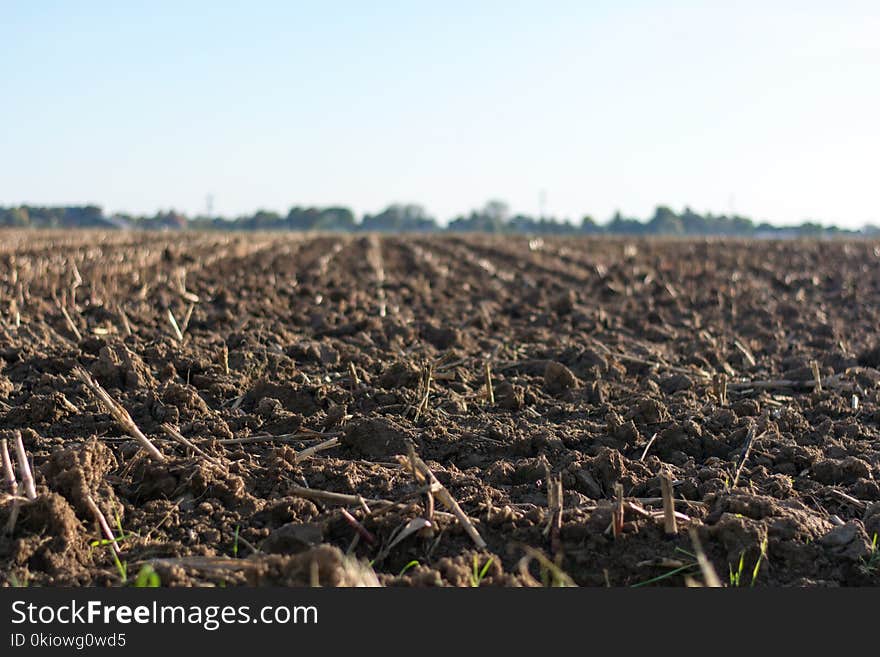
(102, 522)
(750, 438)
(70, 325)
(668, 506)
(490, 393)
(179, 437)
(449, 502)
(710, 577)
(175, 327)
(8, 473)
(24, 468)
(118, 412)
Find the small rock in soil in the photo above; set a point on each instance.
(558, 378)
(292, 538)
(509, 396)
(375, 439)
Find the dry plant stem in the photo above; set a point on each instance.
(668, 506)
(710, 577)
(66, 403)
(657, 515)
(555, 504)
(671, 368)
(719, 385)
(187, 317)
(174, 326)
(11, 483)
(70, 325)
(126, 326)
(203, 563)
(423, 405)
(746, 352)
(659, 500)
(13, 516)
(617, 513)
(847, 498)
(338, 498)
(356, 500)
(102, 522)
(358, 527)
(375, 256)
(648, 446)
(179, 437)
(540, 557)
(833, 382)
(420, 479)
(449, 502)
(250, 546)
(24, 468)
(490, 392)
(299, 436)
(747, 448)
(817, 377)
(311, 451)
(224, 358)
(119, 413)
(355, 380)
(8, 473)
(76, 279)
(635, 508)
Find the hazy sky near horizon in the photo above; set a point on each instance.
(767, 109)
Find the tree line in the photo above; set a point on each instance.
(493, 217)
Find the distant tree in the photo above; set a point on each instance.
(400, 217)
(589, 225)
(620, 225)
(496, 211)
(665, 222)
(335, 219)
(492, 218)
(17, 217)
(302, 218)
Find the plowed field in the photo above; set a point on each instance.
(438, 410)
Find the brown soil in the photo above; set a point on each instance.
(598, 349)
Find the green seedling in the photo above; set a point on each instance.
(478, 573)
(552, 574)
(121, 567)
(871, 565)
(123, 535)
(235, 543)
(687, 566)
(760, 560)
(736, 576)
(411, 564)
(18, 583)
(147, 577)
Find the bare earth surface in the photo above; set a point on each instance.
(610, 361)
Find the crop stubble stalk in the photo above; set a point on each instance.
(102, 523)
(668, 506)
(119, 413)
(8, 472)
(24, 468)
(449, 502)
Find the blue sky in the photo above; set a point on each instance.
(769, 109)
